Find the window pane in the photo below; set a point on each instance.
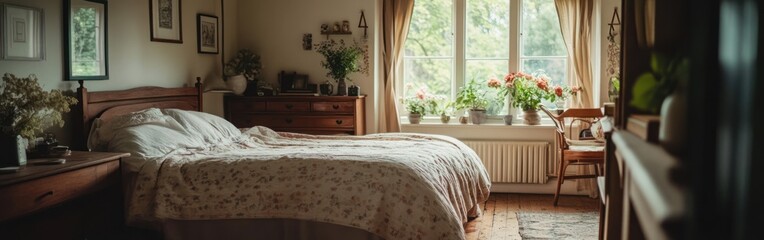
(483, 70)
(554, 68)
(432, 74)
(85, 42)
(541, 29)
(487, 28)
(430, 32)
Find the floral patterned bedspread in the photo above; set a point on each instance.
(397, 186)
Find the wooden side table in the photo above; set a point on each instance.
(77, 199)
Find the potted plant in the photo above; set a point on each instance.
(473, 98)
(244, 68)
(26, 110)
(417, 106)
(439, 105)
(341, 60)
(527, 92)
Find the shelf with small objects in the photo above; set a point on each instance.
(336, 29)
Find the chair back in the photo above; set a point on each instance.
(587, 115)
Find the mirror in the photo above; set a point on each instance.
(85, 38)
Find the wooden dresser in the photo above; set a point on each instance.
(301, 114)
(80, 199)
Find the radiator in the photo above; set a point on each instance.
(513, 161)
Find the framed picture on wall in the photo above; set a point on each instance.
(22, 33)
(165, 20)
(207, 33)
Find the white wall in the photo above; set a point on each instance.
(274, 29)
(606, 14)
(134, 60)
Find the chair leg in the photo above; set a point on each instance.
(560, 179)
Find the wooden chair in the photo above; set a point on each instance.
(581, 152)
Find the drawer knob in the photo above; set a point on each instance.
(289, 106)
(338, 122)
(335, 106)
(48, 193)
(288, 120)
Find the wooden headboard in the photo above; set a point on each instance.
(107, 104)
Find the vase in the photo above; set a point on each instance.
(445, 118)
(672, 130)
(531, 117)
(477, 116)
(14, 149)
(415, 118)
(237, 84)
(508, 119)
(342, 89)
(354, 90)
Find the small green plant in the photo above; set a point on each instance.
(341, 59)
(471, 97)
(26, 109)
(655, 85)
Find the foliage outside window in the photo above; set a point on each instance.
(87, 52)
(481, 39)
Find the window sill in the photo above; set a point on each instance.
(453, 124)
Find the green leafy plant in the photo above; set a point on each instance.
(245, 63)
(26, 109)
(655, 85)
(471, 97)
(341, 59)
(439, 105)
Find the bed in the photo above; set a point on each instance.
(195, 176)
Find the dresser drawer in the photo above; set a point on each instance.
(20, 199)
(277, 106)
(334, 122)
(343, 107)
(291, 121)
(246, 106)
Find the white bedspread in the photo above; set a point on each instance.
(398, 186)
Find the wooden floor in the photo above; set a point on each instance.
(499, 220)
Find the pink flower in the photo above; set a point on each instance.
(420, 94)
(558, 91)
(494, 83)
(542, 84)
(509, 78)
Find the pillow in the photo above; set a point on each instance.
(207, 127)
(153, 139)
(105, 130)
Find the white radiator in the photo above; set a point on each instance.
(512, 161)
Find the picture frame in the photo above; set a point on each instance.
(22, 31)
(207, 34)
(296, 83)
(165, 21)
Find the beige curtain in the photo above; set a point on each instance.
(576, 26)
(396, 16)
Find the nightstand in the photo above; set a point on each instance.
(78, 199)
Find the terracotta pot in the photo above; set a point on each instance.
(531, 117)
(477, 116)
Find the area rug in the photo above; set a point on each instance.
(545, 225)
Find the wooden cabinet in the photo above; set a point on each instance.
(301, 114)
(78, 199)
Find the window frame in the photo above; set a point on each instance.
(459, 58)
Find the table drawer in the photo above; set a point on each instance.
(343, 107)
(246, 106)
(275, 106)
(26, 197)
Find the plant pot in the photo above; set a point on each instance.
(508, 119)
(477, 116)
(463, 120)
(415, 118)
(14, 150)
(237, 84)
(342, 88)
(531, 117)
(445, 118)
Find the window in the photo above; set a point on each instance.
(451, 42)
